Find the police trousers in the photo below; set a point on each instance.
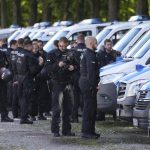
(25, 91)
(89, 108)
(3, 99)
(15, 98)
(62, 96)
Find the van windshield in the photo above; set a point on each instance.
(143, 50)
(38, 35)
(138, 45)
(25, 34)
(49, 45)
(119, 46)
(102, 35)
(14, 35)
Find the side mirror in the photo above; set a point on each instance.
(139, 67)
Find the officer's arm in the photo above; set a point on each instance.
(101, 59)
(51, 64)
(76, 65)
(91, 70)
(33, 65)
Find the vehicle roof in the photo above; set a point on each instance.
(143, 25)
(122, 24)
(7, 30)
(53, 28)
(80, 26)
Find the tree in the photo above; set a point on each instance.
(33, 11)
(3, 13)
(80, 12)
(113, 10)
(46, 10)
(142, 7)
(65, 9)
(95, 7)
(16, 12)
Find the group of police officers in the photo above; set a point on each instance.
(61, 81)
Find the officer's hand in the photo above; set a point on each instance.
(15, 83)
(71, 68)
(61, 64)
(41, 61)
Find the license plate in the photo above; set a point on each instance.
(135, 122)
(118, 112)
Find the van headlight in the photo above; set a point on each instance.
(147, 96)
(135, 86)
(111, 78)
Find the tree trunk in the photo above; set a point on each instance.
(65, 9)
(3, 13)
(16, 12)
(95, 8)
(80, 10)
(142, 7)
(33, 12)
(46, 10)
(113, 10)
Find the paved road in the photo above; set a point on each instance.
(14, 136)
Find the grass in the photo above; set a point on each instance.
(114, 134)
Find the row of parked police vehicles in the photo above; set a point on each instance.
(124, 87)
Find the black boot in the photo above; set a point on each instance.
(90, 136)
(68, 133)
(41, 117)
(25, 121)
(6, 119)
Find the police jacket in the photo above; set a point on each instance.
(27, 64)
(78, 51)
(61, 75)
(12, 61)
(3, 57)
(105, 58)
(89, 68)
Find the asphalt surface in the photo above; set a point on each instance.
(114, 136)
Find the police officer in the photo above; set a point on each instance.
(13, 59)
(40, 88)
(44, 91)
(27, 68)
(3, 85)
(33, 106)
(78, 51)
(106, 56)
(61, 64)
(88, 85)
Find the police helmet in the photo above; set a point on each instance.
(5, 74)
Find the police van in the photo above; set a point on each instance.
(111, 74)
(21, 33)
(114, 32)
(141, 111)
(72, 32)
(128, 89)
(5, 33)
(46, 34)
(124, 45)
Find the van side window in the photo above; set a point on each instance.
(99, 29)
(117, 36)
(148, 61)
(74, 36)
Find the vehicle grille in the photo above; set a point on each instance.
(141, 104)
(121, 90)
(142, 95)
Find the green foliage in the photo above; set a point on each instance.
(71, 9)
